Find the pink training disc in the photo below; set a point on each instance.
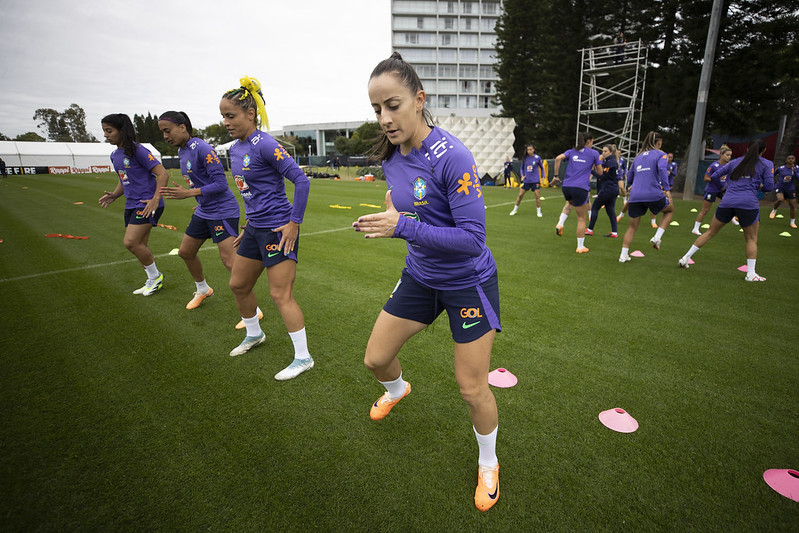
(691, 262)
(786, 482)
(502, 378)
(742, 268)
(637, 253)
(618, 420)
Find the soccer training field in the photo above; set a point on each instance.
(125, 413)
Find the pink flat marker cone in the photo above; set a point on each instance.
(637, 253)
(786, 482)
(618, 420)
(502, 378)
(742, 268)
(691, 262)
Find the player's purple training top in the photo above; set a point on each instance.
(578, 171)
(135, 174)
(202, 170)
(532, 168)
(648, 177)
(742, 193)
(437, 190)
(671, 168)
(715, 185)
(785, 176)
(259, 164)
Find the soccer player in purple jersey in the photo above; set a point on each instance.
(217, 214)
(141, 177)
(609, 186)
(785, 177)
(671, 169)
(713, 188)
(577, 183)
(649, 190)
(435, 204)
(271, 234)
(746, 176)
(532, 170)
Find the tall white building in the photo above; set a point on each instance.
(451, 44)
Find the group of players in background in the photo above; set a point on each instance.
(738, 184)
(434, 203)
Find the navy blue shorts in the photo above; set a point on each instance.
(575, 195)
(261, 244)
(711, 196)
(638, 209)
(134, 216)
(472, 312)
(528, 186)
(787, 194)
(746, 217)
(217, 230)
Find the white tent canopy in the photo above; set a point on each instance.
(77, 157)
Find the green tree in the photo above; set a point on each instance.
(31, 137)
(64, 126)
(215, 134)
(4, 138)
(360, 142)
(147, 131)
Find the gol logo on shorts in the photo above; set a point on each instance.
(471, 312)
(219, 228)
(271, 248)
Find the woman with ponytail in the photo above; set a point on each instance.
(435, 204)
(217, 214)
(141, 177)
(746, 177)
(714, 188)
(270, 239)
(648, 183)
(582, 159)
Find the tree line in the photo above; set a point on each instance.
(755, 76)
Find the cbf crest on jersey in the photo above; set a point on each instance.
(419, 188)
(126, 162)
(188, 166)
(246, 160)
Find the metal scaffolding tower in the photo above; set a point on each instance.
(612, 81)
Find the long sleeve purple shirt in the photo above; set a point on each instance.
(259, 164)
(533, 168)
(135, 174)
(437, 191)
(715, 185)
(648, 177)
(785, 178)
(202, 170)
(578, 171)
(742, 193)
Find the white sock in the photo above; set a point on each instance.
(750, 266)
(580, 242)
(202, 286)
(691, 252)
(654, 220)
(395, 388)
(487, 445)
(539, 210)
(659, 233)
(625, 252)
(774, 211)
(152, 271)
(300, 344)
(696, 226)
(793, 221)
(253, 326)
(562, 219)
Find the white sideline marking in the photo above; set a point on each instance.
(134, 260)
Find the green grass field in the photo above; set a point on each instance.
(125, 413)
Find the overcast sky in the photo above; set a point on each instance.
(313, 57)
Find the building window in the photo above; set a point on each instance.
(490, 8)
(466, 7)
(426, 71)
(447, 71)
(446, 101)
(448, 54)
(420, 23)
(487, 72)
(449, 23)
(467, 24)
(451, 7)
(469, 102)
(467, 71)
(488, 24)
(468, 86)
(487, 87)
(411, 38)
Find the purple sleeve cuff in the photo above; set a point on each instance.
(455, 240)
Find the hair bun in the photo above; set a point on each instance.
(251, 84)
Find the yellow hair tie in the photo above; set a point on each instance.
(253, 86)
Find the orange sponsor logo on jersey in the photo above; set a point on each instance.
(471, 312)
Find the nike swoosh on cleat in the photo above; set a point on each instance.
(467, 326)
(375, 404)
(494, 496)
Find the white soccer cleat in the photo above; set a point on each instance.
(151, 286)
(247, 343)
(683, 262)
(696, 232)
(754, 277)
(297, 367)
(625, 259)
(513, 211)
(655, 243)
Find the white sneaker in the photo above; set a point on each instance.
(513, 212)
(247, 343)
(655, 243)
(150, 286)
(297, 367)
(683, 262)
(754, 277)
(625, 259)
(696, 232)
(539, 215)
